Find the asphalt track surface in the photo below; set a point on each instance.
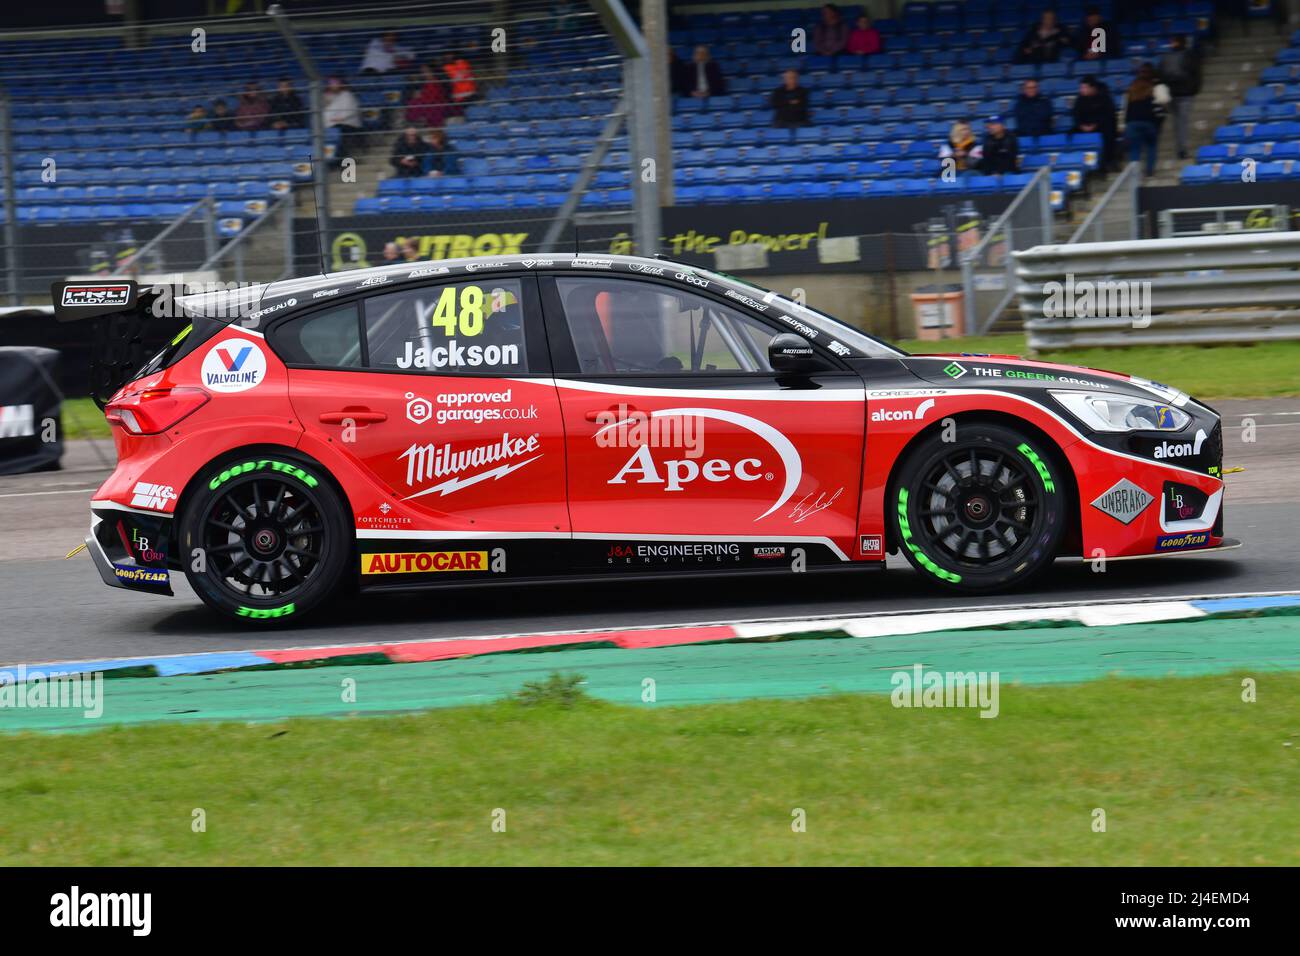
(57, 610)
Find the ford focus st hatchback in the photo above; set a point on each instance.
(524, 418)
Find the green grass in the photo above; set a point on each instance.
(1186, 772)
(1206, 371)
(82, 419)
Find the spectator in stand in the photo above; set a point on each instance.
(222, 119)
(1142, 116)
(1033, 111)
(961, 147)
(1098, 39)
(342, 112)
(427, 108)
(460, 77)
(410, 251)
(197, 121)
(392, 254)
(1094, 112)
(831, 36)
(1000, 153)
(705, 75)
(287, 111)
(865, 39)
(253, 108)
(383, 55)
(1044, 41)
(1180, 69)
(410, 154)
(790, 102)
(443, 160)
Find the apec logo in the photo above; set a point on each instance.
(235, 365)
(642, 469)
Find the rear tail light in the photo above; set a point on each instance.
(154, 410)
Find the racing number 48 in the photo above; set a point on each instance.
(468, 321)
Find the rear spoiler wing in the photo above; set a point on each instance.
(124, 334)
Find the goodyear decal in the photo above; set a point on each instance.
(1181, 542)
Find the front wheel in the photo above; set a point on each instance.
(264, 538)
(983, 512)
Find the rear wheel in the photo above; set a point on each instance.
(983, 512)
(264, 538)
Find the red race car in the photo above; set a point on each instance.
(521, 418)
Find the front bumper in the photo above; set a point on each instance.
(129, 549)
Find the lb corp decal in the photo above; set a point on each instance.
(235, 365)
(642, 469)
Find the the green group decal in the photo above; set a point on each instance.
(283, 467)
(922, 558)
(1038, 464)
(261, 613)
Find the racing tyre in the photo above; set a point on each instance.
(273, 539)
(981, 513)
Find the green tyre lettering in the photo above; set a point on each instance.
(262, 613)
(235, 470)
(1039, 465)
(922, 558)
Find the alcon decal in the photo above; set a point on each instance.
(903, 414)
(1170, 449)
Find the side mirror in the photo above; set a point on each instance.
(792, 355)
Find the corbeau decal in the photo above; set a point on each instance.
(681, 472)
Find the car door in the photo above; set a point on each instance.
(685, 449)
(445, 404)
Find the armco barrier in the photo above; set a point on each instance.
(1240, 288)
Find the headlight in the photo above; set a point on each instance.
(1121, 413)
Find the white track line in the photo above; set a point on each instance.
(37, 494)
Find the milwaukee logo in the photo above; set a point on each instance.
(430, 461)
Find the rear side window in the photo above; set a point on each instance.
(466, 328)
(330, 339)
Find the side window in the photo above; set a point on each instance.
(331, 339)
(628, 326)
(467, 328)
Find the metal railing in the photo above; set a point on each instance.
(1234, 288)
(272, 261)
(1115, 217)
(987, 271)
(1174, 223)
